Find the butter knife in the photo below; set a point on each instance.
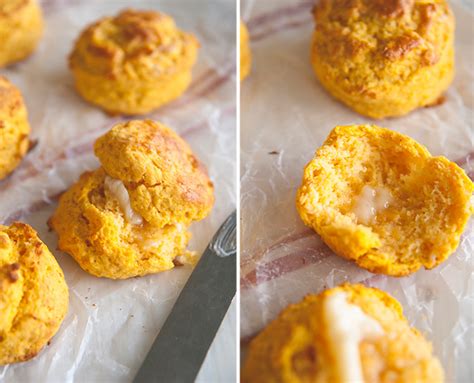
(182, 344)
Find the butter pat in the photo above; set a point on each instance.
(119, 191)
(348, 325)
(371, 201)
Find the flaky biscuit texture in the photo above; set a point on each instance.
(379, 198)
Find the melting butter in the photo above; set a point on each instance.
(348, 325)
(118, 189)
(371, 201)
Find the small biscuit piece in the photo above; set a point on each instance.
(14, 127)
(165, 180)
(379, 198)
(33, 294)
(21, 27)
(130, 217)
(347, 334)
(134, 62)
(245, 53)
(384, 58)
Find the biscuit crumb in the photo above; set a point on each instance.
(392, 211)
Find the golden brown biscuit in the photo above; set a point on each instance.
(245, 53)
(130, 217)
(93, 228)
(349, 333)
(21, 27)
(384, 58)
(14, 127)
(134, 62)
(33, 294)
(379, 198)
(165, 181)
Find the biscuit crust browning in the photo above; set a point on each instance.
(134, 62)
(165, 180)
(384, 58)
(33, 294)
(131, 216)
(422, 220)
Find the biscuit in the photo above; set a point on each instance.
(130, 217)
(245, 53)
(21, 27)
(384, 58)
(14, 127)
(133, 63)
(33, 294)
(93, 228)
(349, 333)
(165, 180)
(379, 198)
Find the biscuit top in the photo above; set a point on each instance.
(10, 99)
(134, 43)
(367, 39)
(146, 152)
(156, 166)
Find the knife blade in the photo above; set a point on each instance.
(182, 344)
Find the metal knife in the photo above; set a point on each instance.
(182, 344)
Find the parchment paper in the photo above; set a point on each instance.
(285, 117)
(111, 325)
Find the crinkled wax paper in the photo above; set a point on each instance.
(286, 115)
(111, 325)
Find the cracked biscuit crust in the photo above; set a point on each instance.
(164, 179)
(423, 218)
(21, 27)
(93, 228)
(134, 62)
(33, 294)
(14, 127)
(384, 58)
(295, 346)
(131, 216)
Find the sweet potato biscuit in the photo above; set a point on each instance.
(245, 53)
(134, 62)
(14, 127)
(21, 27)
(165, 181)
(33, 294)
(384, 58)
(379, 198)
(94, 229)
(310, 342)
(130, 217)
